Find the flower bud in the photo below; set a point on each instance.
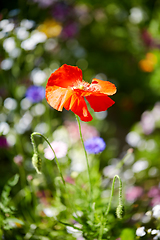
(36, 161)
(120, 211)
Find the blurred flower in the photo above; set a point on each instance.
(18, 160)
(38, 109)
(3, 142)
(51, 28)
(156, 111)
(95, 145)
(148, 64)
(36, 37)
(60, 149)
(9, 44)
(38, 76)
(154, 194)
(24, 123)
(42, 127)
(147, 122)
(87, 131)
(28, 24)
(133, 193)
(6, 25)
(50, 212)
(136, 15)
(7, 64)
(10, 103)
(140, 232)
(110, 171)
(22, 33)
(4, 128)
(35, 93)
(156, 211)
(69, 30)
(148, 40)
(69, 180)
(78, 163)
(133, 139)
(61, 11)
(65, 88)
(44, 3)
(29, 177)
(75, 232)
(140, 165)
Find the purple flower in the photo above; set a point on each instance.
(61, 11)
(35, 93)
(69, 30)
(3, 142)
(95, 145)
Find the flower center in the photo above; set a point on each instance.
(81, 86)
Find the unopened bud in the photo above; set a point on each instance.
(120, 211)
(36, 161)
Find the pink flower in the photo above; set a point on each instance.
(87, 131)
(147, 122)
(133, 193)
(60, 149)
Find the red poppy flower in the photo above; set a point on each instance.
(65, 88)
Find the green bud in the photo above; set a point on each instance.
(120, 211)
(36, 161)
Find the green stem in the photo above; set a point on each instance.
(35, 151)
(88, 170)
(112, 190)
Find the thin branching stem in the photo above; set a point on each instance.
(35, 150)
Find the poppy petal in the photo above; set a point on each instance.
(104, 87)
(65, 76)
(100, 102)
(78, 105)
(57, 96)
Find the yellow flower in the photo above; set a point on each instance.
(51, 28)
(147, 64)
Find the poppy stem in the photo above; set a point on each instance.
(88, 170)
(36, 151)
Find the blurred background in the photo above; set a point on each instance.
(112, 40)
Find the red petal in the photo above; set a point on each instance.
(57, 96)
(104, 87)
(99, 102)
(65, 76)
(78, 105)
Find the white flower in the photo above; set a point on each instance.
(133, 138)
(9, 44)
(140, 166)
(50, 212)
(75, 232)
(28, 44)
(41, 128)
(38, 37)
(4, 128)
(6, 64)
(38, 76)
(140, 232)
(10, 103)
(156, 211)
(136, 15)
(22, 33)
(28, 24)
